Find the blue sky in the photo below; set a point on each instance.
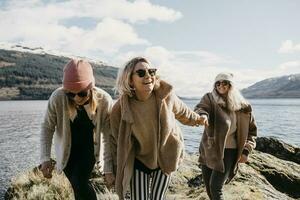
(189, 41)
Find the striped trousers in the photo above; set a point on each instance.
(144, 185)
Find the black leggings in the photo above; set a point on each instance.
(78, 176)
(214, 180)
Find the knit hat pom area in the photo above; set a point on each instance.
(225, 76)
(78, 76)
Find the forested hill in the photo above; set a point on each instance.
(31, 76)
(277, 87)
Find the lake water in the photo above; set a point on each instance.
(21, 120)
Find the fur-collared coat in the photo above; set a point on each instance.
(214, 136)
(170, 148)
(57, 120)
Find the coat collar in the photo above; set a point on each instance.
(218, 99)
(162, 91)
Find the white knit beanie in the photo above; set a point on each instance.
(225, 76)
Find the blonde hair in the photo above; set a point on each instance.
(235, 100)
(93, 102)
(123, 86)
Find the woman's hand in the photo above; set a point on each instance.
(47, 168)
(109, 180)
(202, 120)
(243, 158)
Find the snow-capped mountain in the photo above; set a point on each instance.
(278, 87)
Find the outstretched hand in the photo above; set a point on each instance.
(243, 158)
(202, 120)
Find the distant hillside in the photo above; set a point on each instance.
(27, 75)
(278, 87)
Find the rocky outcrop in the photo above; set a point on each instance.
(278, 148)
(265, 177)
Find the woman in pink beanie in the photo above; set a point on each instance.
(229, 134)
(78, 113)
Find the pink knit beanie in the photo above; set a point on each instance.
(78, 76)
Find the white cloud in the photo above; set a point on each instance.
(36, 23)
(108, 36)
(291, 66)
(136, 11)
(288, 47)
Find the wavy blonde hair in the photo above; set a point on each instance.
(235, 100)
(123, 86)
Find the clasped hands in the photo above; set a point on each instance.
(202, 120)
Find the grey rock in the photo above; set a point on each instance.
(278, 149)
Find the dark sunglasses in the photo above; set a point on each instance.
(142, 72)
(80, 94)
(223, 83)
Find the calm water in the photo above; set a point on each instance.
(20, 127)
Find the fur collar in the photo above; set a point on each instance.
(218, 99)
(161, 92)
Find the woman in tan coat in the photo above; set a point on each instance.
(229, 135)
(147, 142)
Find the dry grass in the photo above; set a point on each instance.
(32, 185)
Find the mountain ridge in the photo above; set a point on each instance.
(287, 86)
(27, 75)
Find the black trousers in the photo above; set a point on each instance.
(214, 180)
(78, 174)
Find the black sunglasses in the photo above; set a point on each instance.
(142, 72)
(80, 94)
(223, 83)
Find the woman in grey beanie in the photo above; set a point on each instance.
(229, 135)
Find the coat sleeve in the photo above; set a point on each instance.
(182, 113)
(204, 106)
(48, 129)
(106, 131)
(252, 134)
(115, 120)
